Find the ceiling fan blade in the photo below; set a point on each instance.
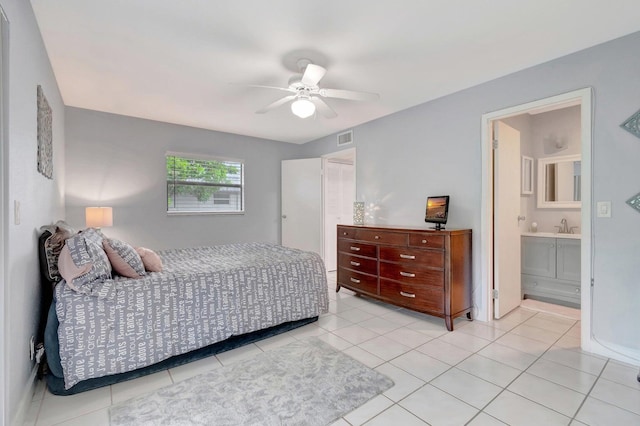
(325, 110)
(349, 94)
(286, 89)
(276, 104)
(313, 74)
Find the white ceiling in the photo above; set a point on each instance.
(187, 61)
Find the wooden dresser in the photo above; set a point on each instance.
(424, 270)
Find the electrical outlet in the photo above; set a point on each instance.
(603, 208)
(32, 348)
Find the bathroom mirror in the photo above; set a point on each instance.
(559, 182)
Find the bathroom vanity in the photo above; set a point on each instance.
(551, 267)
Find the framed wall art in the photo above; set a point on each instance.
(634, 202)
(632, 124)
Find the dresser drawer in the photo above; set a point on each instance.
(360, 249)
(413, 257)
(344, 232)
(358, 281)
(382, 237)
(428, 299)
(356, 263)
(426, 240)
(415, 276)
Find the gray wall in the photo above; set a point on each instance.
(41, 199)
(119, 161)
(435, 148)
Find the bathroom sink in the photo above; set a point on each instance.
(552, 235)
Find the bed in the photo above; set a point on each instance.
(204, 301)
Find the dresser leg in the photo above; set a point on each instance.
(449, 322)
(337, 288)
(469, 316)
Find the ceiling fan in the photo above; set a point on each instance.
(306, 97)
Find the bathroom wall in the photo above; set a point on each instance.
(544, 135)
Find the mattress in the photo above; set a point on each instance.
(203, 296)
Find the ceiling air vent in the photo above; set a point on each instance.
(345, 138)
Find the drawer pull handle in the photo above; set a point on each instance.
(577, 290)
(344, 233)
(411, 295)
(355, 248)
(377, 237)
(355, 263)
(354, 280)
(424, 241)
(407, 274)
(407, 256)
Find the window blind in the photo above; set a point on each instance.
(207, 185)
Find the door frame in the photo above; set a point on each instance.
(336, 155)
(4, 211)
(584, 97)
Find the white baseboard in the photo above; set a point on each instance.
(27, 397)
(614, 351)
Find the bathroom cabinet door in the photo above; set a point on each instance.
(539, 256)
(568, 259)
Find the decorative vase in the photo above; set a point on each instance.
(358, 213)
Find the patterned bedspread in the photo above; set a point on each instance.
(204, 295)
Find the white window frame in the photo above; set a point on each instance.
(201, 157)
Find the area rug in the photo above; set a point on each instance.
(303, 383)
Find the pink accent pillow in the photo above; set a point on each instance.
(84, 249)
(123, 258)
(68, 269)
(150, 259)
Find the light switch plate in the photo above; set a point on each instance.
(603, 208)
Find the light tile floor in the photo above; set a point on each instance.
(525, 369)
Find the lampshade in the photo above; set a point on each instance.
(303, 107)
(98, 217)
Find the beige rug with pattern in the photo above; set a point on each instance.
(304, 383)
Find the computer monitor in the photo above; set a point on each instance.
(437, 211)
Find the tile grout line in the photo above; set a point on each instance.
(39, 408)
(453, 366)
(565, 333)
(516, 378)
(444, 372)
(591, 389)
(601, 400)
(525, 370)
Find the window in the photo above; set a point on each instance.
(197, 184)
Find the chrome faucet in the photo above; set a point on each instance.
(564, 227)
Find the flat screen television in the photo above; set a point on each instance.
(437, 211)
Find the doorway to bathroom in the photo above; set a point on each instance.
(528, 153)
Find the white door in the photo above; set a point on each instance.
(339, 193)
(302, 204)
(506, 210)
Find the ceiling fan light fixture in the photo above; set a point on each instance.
(303, 108)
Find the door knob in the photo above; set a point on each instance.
(284, 216)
